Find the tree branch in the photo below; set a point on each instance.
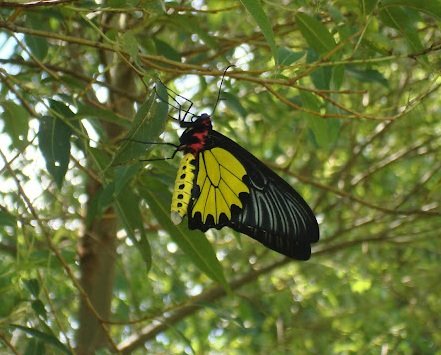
(37, 3)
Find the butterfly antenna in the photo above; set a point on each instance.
(159, 143)
(220, 88)
(148, 143)
(179, 106)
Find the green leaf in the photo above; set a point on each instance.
(61, 110)
(100, 158)
(325, 130)
(432, 7)
(100, 114)
(37, 45)
(233, 102)
(35, 347)
(148, 124)
(16, 120)
(123, 175)
(315, 33)
(403, 21)
(190, 24)
(192, 243)
(44, 337)
(367, 75)
(54, 142)
(338, 72)
(11, 296)
(322, 76)
(286, 56)
(7, 219)
(129, 44)
(255, 9)
(127, 206)
(33, 286)
(153, 6)
(163, 48)
(122, 3)
(367, 6)
(39, 309)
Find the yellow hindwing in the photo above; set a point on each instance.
(183, 186)
(220, 182)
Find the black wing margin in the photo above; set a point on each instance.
(274, 213)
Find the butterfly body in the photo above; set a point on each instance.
(225, 185)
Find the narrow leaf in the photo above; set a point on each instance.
(234, 103)
(148, 124)
(193, 243)
(432, 7)
(35, 347)
(54, 142)
(367, 75)
(165, 49)
(403, 21)
(16, 120)
(255, 9)
(100, 114)
(127, 206)
(286, 56)
(130, 44)
(39, 309)
(33, 286)
(322, 76)
(315, 33)
(367, 6)
(325, 130)
(46, 338)
(190, 24)
(7, 219)
(37, 45)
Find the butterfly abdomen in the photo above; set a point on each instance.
(183, 187)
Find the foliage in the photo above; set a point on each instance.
(340, 97)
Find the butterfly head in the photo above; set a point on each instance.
(194, 138)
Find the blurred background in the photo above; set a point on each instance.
(341, 98)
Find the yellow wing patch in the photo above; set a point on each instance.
(183, 186)
(220, 182)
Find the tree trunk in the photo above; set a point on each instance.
(97, 249)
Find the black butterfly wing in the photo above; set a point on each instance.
(271, 212)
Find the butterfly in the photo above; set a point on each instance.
(220, 184)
